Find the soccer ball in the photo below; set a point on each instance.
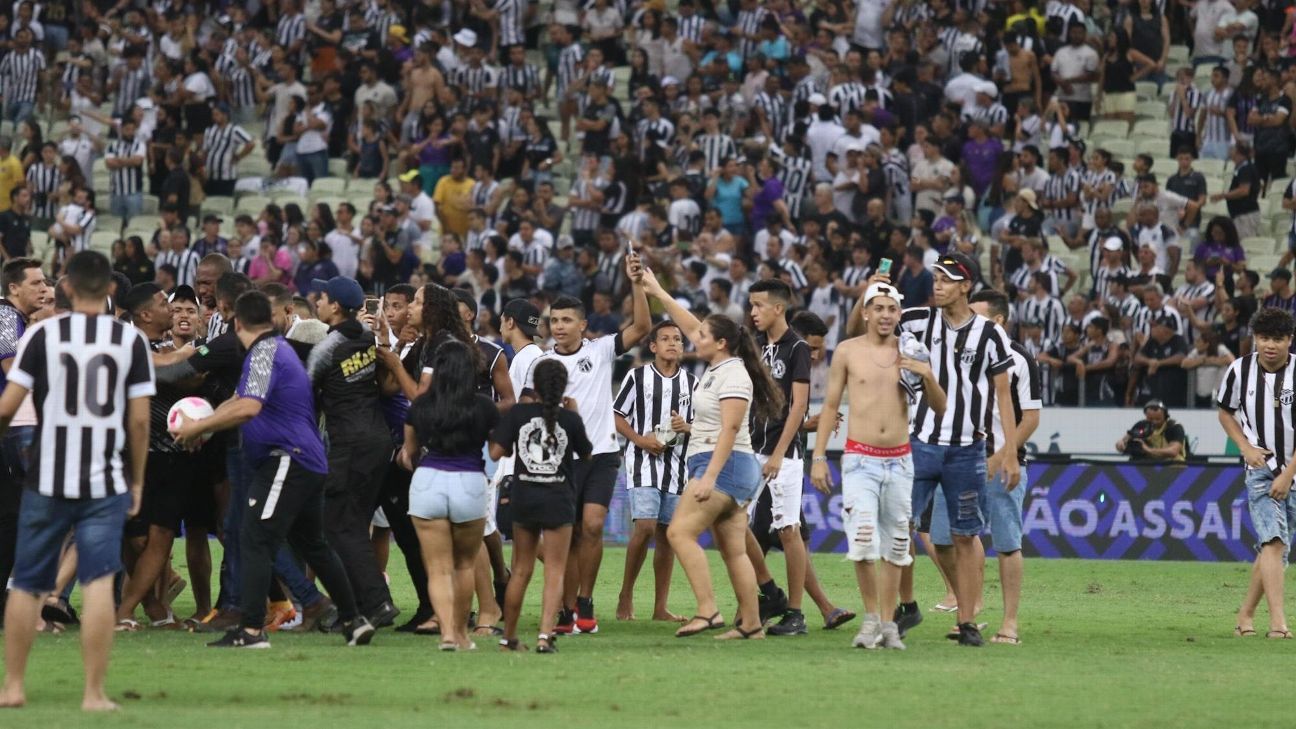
(194, 408)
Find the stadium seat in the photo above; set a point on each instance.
(254, 166)
(102, 241)
(219, 205)
(1155, 146)
(1121, 207)
(1258, 246)
(1163, 168)
(1109, 129)
(337, 167)
(41, 247)
(1150, 110)
(1121, 149)
(1151, 128)
(288, 199)
(328, 185)
(1202, 75)
(145, 222)
(1146, 90)
(109, 223)
(562, 185)
(151, 204)
(332, 201)
(251, 205)
(1210, 167)
(1177, 56)
(1212, 209)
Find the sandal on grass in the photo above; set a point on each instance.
(955, 632)
(740, 634)
(1005, 639)
(546, 643)
(126, 625)
(712, 623)
(487, 631)
(512, 645)
(433, 629)
(1240, 632)
(837, 618)
(1279, 634)
(941, 607)
(59, 612)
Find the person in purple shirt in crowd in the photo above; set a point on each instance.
(449, 425)
(769, 193)
(981, 155)
(274, 409)
(1220, 247)
(946, 225)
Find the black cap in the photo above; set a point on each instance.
(183, 293)
(1281, 272)
(524, 314)
(1167, 320)
(958, 267)
(465, 297)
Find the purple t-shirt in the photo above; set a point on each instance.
(274, 375)
(771, 191)
(982, 159)
(1206, 250)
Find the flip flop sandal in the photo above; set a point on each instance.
(167, 623)
(712, 623)
(448, 646)
(837, 618)
(512, 646)
(1279, 634)
(488, 631)
(59, 612)
(126, 625)
(941, 607)
(546, 643)
(1238, 632)
(954, 632)
(1005, 639)
(743, 634)
(434, 630)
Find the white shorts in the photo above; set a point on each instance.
(785, 493)
(877, 507)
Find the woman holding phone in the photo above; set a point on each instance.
(724, 475)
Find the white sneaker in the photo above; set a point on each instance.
(891, 637)
(869, 635)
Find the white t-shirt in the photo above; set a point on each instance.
(1070, 62)
(519, 369)
(346, 251)
(316, 140)
(589, 383)
(723, 381)
(200, 86)
(422, 208)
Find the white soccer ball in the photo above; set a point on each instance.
(194, 408)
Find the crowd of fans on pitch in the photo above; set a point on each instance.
(514, 149)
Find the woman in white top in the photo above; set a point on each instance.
(724, 475)
(197, 92)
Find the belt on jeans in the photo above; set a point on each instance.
(856, 448)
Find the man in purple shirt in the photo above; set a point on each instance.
(275, 410)
(981, 155)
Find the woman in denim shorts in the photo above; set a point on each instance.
(724, 475)
(444, 435)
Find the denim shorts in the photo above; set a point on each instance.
(876, 510)
(740, 479)
(650, 502)
(459, 496)
(1002, 509)
(44, 522)
(960, 471)
(1272, 519)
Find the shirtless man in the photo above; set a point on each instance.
(423, 80)
(877, 469)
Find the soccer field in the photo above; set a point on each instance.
(1111, 644)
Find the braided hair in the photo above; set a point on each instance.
(550, 384)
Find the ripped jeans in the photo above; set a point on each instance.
(960, 471)
(876, 507)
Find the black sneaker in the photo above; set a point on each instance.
(419, 618)
(385, 615)
(970, 634)
(566, 622)
(358, 631)
(240, 638)
(908, 617)
(793, 623)
(772, 607)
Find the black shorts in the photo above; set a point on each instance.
(1271, 166)
(541, 506)
(593, 480)
(207, 467)
(167, 478)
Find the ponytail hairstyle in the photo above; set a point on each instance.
(767, 398)
(550, 384)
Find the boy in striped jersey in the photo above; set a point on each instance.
(1255, 409)
(653, 410)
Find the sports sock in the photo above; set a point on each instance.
(769, 589)
(585, 607)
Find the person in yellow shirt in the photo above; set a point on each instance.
(11, 172)
(453, 199)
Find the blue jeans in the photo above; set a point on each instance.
(313, 164)
(126, 206)
(1272, 519)
(1003, 510)
(43, 524)
(740, 479)
(17, 111)
(876, 510)
(960, 471)
(15, 448)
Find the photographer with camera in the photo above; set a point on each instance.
(1156, 437)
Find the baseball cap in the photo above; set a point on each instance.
(410, 176)
(465, 37)
(1028, 196)
(183, 293)
(1281, 272)
(388, 209)
(958, 267)
(341, 290)
(1113, 244)
(145, 103)
(883, 289)
(564, 241)
(818, 99)
(524, 315)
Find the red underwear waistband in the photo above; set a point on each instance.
(863, 449)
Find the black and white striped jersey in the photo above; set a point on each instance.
(586, 219)
(965, 361)
(380, 19)
(1145, 316)
(749, 22)
(1202, 290)
(691, 28)
(242, 87)
(477, 81)
(1216, 128)
(1059, 187)
(795, 174)
(1102, 281)
(646, 400)
(44, 181)
(289, 30)
(788, 361)
(717, 148)
(126, 180)
(1183, 117)
(526, 76)
(847, 96)
(569, 67)
(132, 86)
(510, 22)
(221, 145)
(185, 262)
(1262, 402)
(1048, 311)
(20, 75)
(82, 370)
(1024, 384)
